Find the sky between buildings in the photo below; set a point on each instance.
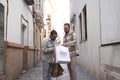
(62, 16)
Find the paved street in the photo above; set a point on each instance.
(36, 74)
(83, 75)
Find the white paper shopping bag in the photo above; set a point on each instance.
(62, 54)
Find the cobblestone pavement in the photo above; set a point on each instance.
(36, 74)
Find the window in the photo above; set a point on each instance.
(37, 38)
(44, 33)
(24, 31)
(73, 22)
(85, 21)
(37, 5)
(83, 24)
(24, 35)
(80, 19)
(1, 39)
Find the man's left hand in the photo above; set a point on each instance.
(64, 44)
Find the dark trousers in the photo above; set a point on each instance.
(47, 70)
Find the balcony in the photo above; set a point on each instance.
(39, 19)
(29, 2)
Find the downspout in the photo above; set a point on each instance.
(34, 43)
(6, 42)
(34, 32)
(40, 43)
(7, 18)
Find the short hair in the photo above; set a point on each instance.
(67, 24)
(53, 32)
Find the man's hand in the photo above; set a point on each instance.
(52, 48)
(65, 44)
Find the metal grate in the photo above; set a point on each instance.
(1, 38)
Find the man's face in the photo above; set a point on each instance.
(53, 37)
(66, 29)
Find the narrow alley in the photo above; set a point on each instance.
(36, 74)
(82, 36)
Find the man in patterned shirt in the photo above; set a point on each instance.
(70, 41)
(48, 47)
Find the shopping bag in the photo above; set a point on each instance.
(62, 54)
(57, 70)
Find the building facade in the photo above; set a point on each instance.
(16, 38)
(49, 12)
(97, 23)
(38, 26)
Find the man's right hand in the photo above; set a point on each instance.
(64, 44)
(52, 48)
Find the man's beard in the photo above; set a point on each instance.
(52, 39)
(66, 32)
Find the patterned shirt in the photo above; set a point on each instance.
(47, 52)
(71, 40)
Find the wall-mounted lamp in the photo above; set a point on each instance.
(73, 20)
(48, 20)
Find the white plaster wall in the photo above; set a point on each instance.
(94, 35)
(76, 8)
(16, 9)
(110, 54)
(113, 56)
(110, 17)
(88, 50)
(102, 28)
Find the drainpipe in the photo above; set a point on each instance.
(34, 42)
(40, 43)
(7, 18)
(34, 32)
(5, 43)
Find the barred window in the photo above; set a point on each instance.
(83, 25)
(80, 19)
(1, 39)
(37, 5)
